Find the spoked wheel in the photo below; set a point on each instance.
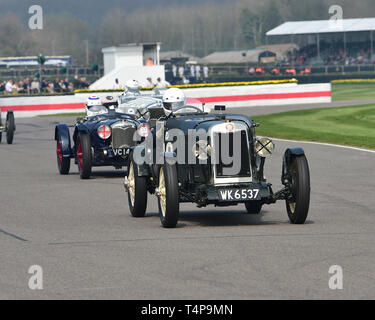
(137, 190)
(169, 204)
(298, 204)
(63, 164)
(253, 207)
(84, 155)
(10, 127)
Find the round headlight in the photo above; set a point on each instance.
(264, 147)
(143, 130)
(202, 150)
(104, 132)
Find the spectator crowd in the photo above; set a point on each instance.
(33, 86)
(189, 73)
(333, 53)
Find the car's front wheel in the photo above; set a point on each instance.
(297, 205)
(137, 190)
(10, 127)
(169, 204)
(84, 155)
(63, 163)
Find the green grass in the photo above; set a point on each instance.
(353, 91)
(353, 126)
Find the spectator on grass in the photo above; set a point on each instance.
(2, 87)
(149, 83)
(181, 71)
(35, 86)
(197, 72)
(9, 87)
(206, 71)
(117, 85)
(162, 84)
(44, 86)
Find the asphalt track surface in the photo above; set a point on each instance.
(82, 235)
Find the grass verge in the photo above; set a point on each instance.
(353, 125)
(353, 91)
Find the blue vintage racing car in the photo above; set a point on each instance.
(105, 136)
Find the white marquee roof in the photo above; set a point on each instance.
(323, 26)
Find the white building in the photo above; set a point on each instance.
(137, 61)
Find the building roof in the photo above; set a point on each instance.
(281, 50)
(323, 26)
(169, 55)
(239, 56)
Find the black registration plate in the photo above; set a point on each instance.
(239, 194)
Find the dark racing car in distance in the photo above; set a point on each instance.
(104, 137)
(206, 180)
(9, 128)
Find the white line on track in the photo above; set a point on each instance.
(329, 145)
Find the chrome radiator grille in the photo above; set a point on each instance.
(123, 137)
(245, 157)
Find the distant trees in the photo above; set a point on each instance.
(254, 24)
(198, 29)
(11, 35)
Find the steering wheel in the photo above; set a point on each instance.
(188, 107)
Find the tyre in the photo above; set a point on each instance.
(169, 204)
(10, 127)
(253, 207)
(298, 205)
(63, 164)
(137, 190)
(1, 123)
(84, 155)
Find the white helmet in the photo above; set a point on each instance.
(94, 106)
(132, 87)
(173, 99)
(93, 101)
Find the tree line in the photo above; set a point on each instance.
(198, 29)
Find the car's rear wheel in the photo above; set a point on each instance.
(169, 204)
(10, 127)
(137, 190)
(84, 155)
(298, 204)
(63, 163)
(253, 207)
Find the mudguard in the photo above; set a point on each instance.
(80, 127)
(62, 133)
(289, 155)
(143, 169)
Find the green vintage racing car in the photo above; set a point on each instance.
(197, 169)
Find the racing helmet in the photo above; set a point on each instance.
(132, 87)
(173, 99)
(94, 106)
(93, 101)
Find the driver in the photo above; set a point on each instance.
(132, 87)
(94, 106)
(173, 99)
